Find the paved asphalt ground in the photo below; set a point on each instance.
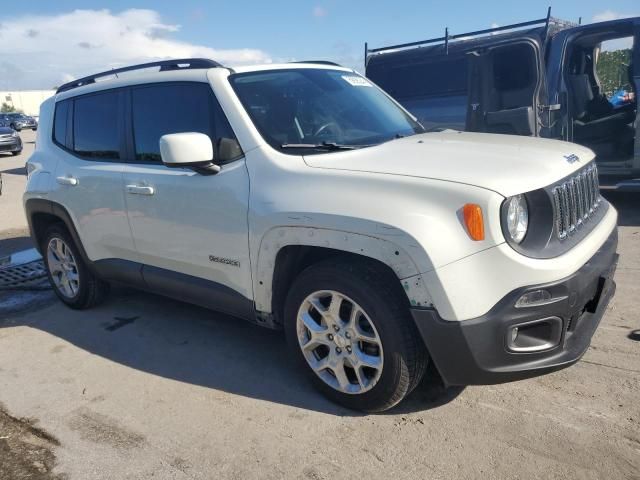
(145, 387)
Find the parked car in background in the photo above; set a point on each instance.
(540, 78)
(301, 197)
(19, 121)
(10, 141)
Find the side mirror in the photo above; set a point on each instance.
(189, 149)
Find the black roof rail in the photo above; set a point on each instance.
(319, 62)
(165, 65)
(548, 20)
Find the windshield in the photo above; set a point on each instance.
(312, 109)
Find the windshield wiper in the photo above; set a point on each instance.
(329, 146)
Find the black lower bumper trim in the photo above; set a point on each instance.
(474, 352)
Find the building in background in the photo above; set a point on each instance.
(26, 101)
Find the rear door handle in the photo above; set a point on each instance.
(140, 190)
(67, 181)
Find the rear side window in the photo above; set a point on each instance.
(177, 108)
(96, 131)
(60, 122)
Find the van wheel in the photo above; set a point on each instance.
(349, 326)
(70, 278)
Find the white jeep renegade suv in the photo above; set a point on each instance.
(302, 197)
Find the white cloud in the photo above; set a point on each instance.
(43, 51)
(610, 15)
(319, 11)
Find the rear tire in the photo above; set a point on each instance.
(377, 353)
(15, 154)
(71, 279)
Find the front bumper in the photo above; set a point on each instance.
(475, 352)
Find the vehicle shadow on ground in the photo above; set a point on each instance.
(15, 171)
(186, 343)
(628, 206)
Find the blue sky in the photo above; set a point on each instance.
(241, 31)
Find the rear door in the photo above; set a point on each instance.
(89, 133)
(512, 78)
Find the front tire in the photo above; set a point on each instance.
(348, 324)
(70, 278)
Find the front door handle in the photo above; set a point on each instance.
(71, 181)
(140, 190)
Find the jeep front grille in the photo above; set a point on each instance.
(575, 200)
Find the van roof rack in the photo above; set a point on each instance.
(165, 65)
(548, 20)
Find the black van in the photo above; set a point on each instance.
(537, 78)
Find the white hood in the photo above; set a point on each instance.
(506, 164)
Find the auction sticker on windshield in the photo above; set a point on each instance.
(356, 81)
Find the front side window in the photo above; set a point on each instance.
(178, 108)
(314, 108)
(96, 132)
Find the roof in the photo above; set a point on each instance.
(170, 70)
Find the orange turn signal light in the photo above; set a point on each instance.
(472, 213)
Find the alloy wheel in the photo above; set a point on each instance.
(63, 268)
(339, 342)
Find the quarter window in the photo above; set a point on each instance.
(96, 131)
(60, 123)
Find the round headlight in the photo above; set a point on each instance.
(517, 217)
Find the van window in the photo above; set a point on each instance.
(435, 92)
(96, 132)
(514, 76)
(161, 109)
(60, 123)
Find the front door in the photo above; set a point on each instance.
(600, 87)
(188, 227)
